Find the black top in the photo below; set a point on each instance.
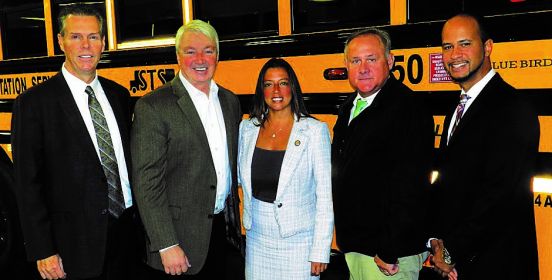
(265, 173)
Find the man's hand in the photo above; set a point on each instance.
(385, 268)
(438, 260)
(317, 268)
(51, 267)
(174, 261)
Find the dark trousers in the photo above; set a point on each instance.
(215, 264)
(125, 248)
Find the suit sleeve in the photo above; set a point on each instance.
(149, 161)
(323, 228)
(28, 155)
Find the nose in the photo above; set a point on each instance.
(85, 43)
(455, 52)
(276, 88)
(363, 68)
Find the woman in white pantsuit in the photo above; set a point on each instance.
(285, 172)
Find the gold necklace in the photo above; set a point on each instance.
(276, 132)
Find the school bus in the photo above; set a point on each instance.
(310, 35)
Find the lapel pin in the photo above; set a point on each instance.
(297, 142)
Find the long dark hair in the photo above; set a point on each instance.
(259, 109)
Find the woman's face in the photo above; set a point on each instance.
(277, 89)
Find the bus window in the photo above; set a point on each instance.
(147, 19)
(426, 10)
(234, 18)
(317, 15)
(57, 5)
(23, 33)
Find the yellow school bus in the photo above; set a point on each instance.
(310, 35)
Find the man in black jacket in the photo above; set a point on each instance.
(381, 157)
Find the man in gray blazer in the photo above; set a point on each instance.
(184, 147)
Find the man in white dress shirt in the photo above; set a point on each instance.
(184, 145)
(71, 149)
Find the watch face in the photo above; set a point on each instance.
(446, 256)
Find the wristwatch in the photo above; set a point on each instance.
(446, 256)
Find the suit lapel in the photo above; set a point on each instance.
(189, 111)
(73, 116)
(229, 124)
(250, 133)
(475, 108)
(297, 142)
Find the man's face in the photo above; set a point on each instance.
(367, 65)
(466, 58)
(197, 59)
(82, 45)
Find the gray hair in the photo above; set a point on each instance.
(381, 34)
(199, 26)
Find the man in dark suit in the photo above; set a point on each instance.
(381, 160)
(71, 148)
(483, 212)
(184, 150)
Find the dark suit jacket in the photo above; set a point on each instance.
(174, 176)
(381, 163)
(61, 188)
(484, 202)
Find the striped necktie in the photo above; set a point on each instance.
(107, 155)
(459, 111)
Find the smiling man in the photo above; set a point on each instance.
(482, 201)
(71, 148)
(184, 150)
(381, 160)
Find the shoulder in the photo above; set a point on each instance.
(226, 93)
(112, 85)
(312, 124)
(44, 90)
(159, 96)
(247, 124)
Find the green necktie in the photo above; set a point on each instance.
(107, 155)
(360, 105)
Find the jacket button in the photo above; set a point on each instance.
(210, 216)
(104, 212)
(279, 205)
(213, 187)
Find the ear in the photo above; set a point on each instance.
(488, 47)
(60, 42)
(103, 43)
(390, 61)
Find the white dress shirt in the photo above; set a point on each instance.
(77, 87)
(210, 113)
(368, 100)
(473, 92)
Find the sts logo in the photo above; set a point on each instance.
(143, 78)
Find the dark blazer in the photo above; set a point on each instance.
(381, 163)
(174, 176)
(61, 188)
(483, 199)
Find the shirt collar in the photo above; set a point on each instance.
(476, 89)
(76, 84)
(213, 88)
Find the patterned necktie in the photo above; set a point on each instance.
(459, 111)
(107, 155)
(360, 105)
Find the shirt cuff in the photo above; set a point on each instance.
(165, 249)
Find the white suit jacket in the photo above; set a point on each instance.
(304, 197)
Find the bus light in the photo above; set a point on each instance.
(335, 74)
